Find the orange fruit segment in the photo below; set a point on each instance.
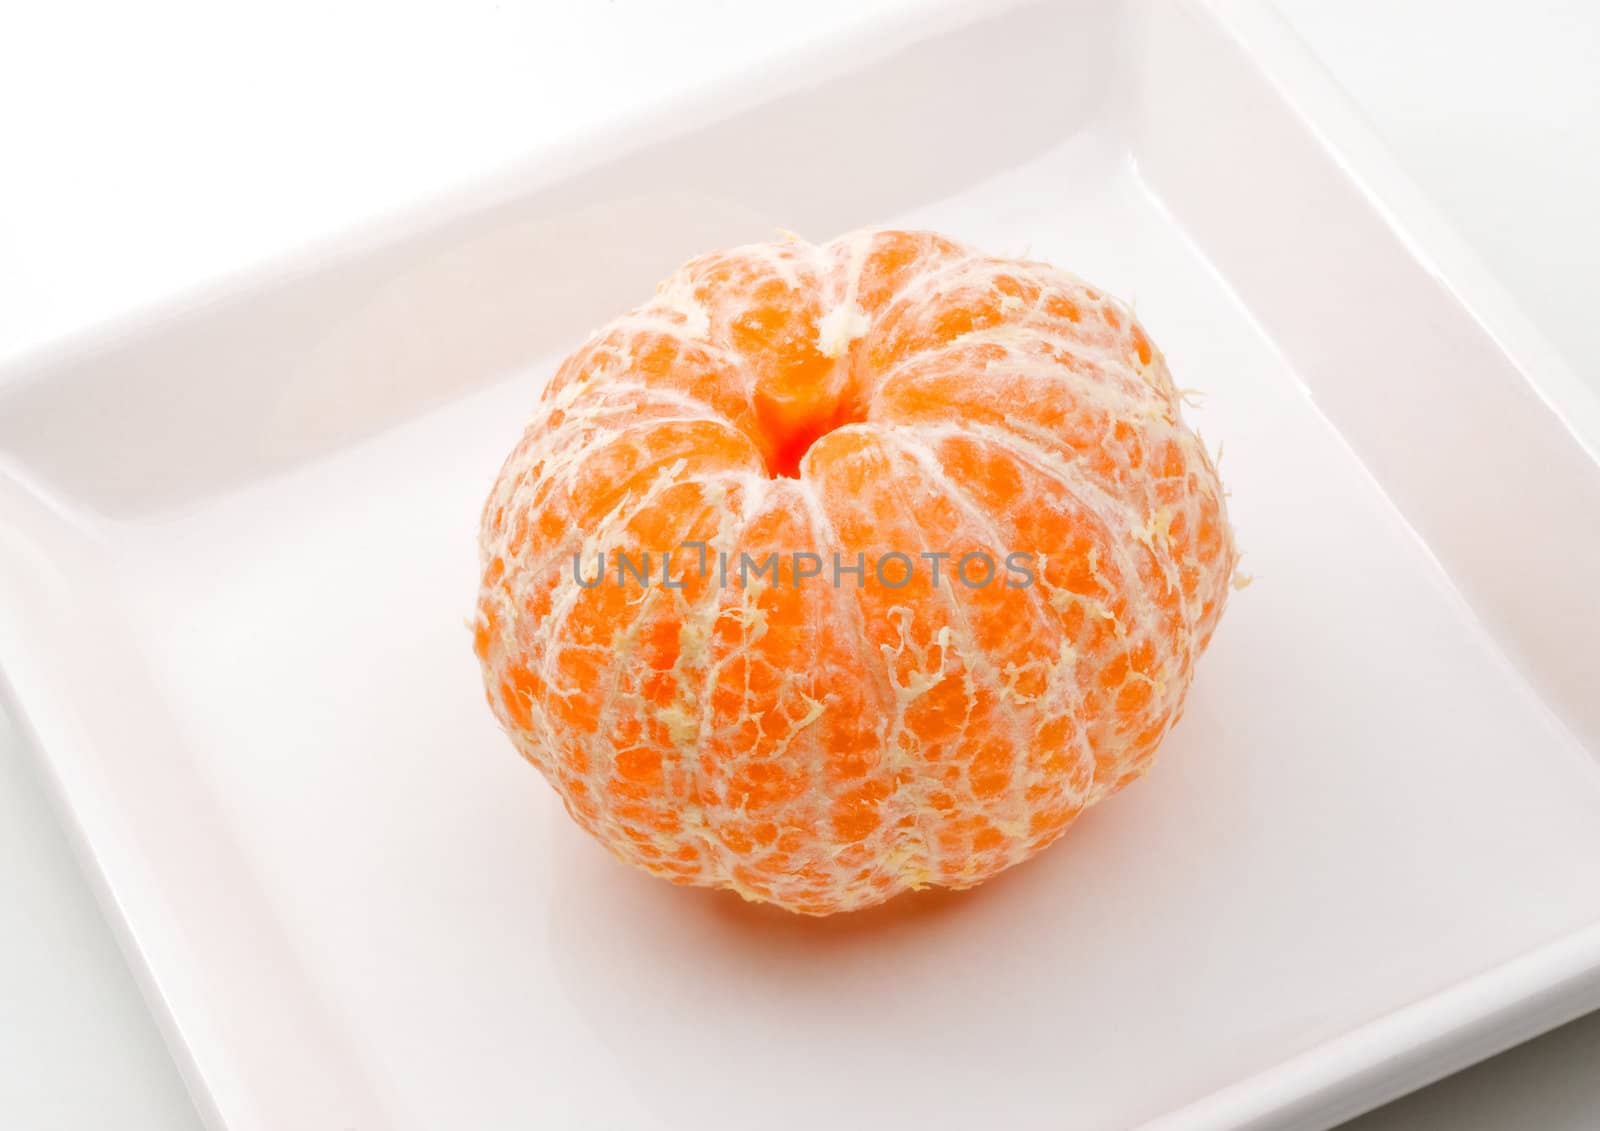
(836, 571)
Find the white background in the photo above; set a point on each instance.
(147, 148)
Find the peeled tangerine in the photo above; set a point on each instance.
(853, 718)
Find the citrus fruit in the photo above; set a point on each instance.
(836, 571)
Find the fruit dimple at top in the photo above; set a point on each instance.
(794, 318)
(826, 746)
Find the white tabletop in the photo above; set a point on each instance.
(146, 148)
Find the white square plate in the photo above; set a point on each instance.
(237, 546)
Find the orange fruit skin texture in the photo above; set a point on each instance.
(824, 748)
